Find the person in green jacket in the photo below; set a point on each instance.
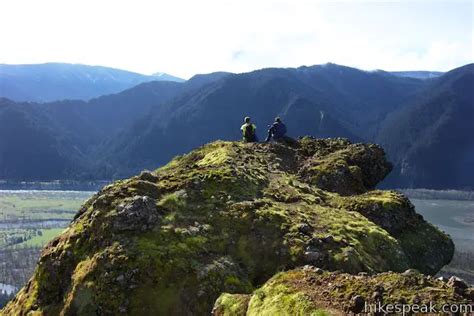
(249, 131)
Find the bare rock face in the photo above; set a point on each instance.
(139, 214)
(225, 218)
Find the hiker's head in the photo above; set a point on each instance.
(247, 119)
(278, 119)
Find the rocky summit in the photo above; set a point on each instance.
(227, 218)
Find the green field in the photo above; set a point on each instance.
(40, 240)
(40, 205)
(31, 218)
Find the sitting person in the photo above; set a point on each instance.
(249, 131)
(277, 131)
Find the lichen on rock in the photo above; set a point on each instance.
(224, 219)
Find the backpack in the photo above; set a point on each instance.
(249, 132)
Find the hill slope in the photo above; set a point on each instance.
(225, 218)
(57, 81)
(32, 146)
(60, 137)
(430, 139)
(87, 127)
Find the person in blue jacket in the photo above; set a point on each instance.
(277, 131)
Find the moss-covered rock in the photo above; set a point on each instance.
(312, 291)
(231, 304)
(225, 218)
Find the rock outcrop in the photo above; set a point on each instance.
(312, 291)
(225, 218)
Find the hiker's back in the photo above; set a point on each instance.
(248, 132)
(279, 130)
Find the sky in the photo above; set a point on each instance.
(186, 37)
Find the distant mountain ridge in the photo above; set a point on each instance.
(59, 81)
(118, 135)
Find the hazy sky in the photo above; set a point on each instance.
(199, 36)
